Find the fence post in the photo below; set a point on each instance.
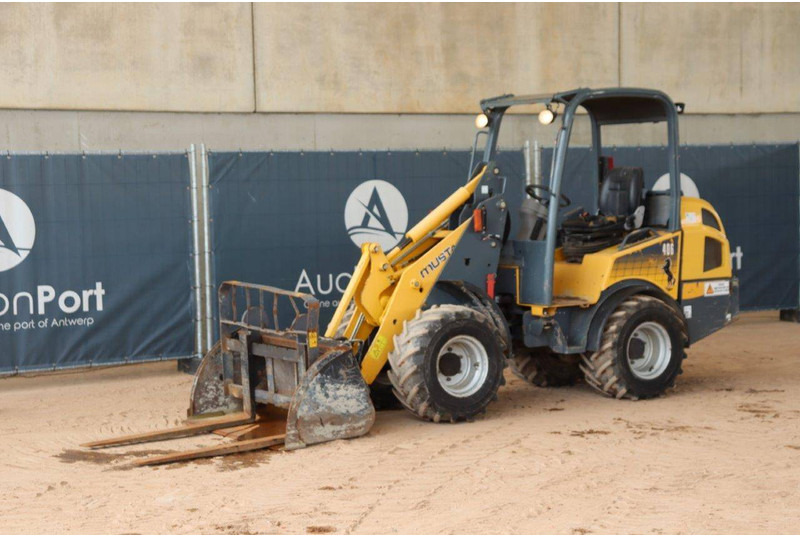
(208, 265)
(793, 315)
(189, 365)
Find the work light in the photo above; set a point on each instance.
(547, 116)
(482, 121)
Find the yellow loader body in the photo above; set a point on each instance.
(613, 295)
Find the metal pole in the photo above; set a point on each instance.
(209, 285)
(556, 172)
(537, 162)
(199, 327)
(526, 151)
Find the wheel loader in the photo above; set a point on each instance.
(613, 294)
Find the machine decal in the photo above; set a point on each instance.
(655, 263)
(690, 218)
(378, 346)
(312, 339)
(668, 270)
(437, 262)
(717, 288)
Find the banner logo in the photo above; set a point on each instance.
(17, 230)
(376, 212)
(688, 186)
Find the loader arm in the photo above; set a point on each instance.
(388, 289)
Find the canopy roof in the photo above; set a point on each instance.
(607, 106)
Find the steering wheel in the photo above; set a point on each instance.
(563, 200)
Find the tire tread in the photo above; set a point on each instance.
(407, 358)
(598, 367)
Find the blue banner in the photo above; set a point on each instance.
(95, 264)
(295, 220)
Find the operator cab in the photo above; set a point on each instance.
(620, 210)
(613, 211)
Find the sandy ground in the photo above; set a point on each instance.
(720, 453)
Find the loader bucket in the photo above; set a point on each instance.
(273, 358)
(209, 396)
(331, 402)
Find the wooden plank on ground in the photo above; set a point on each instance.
(234, 432)
(193, 428)
(210, 452)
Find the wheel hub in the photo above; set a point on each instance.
(450, 364)
(462, 366)
(649, 350)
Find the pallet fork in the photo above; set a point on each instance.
(262, 386)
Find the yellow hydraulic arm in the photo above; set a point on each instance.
(389, 289)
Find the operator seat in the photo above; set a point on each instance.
(621, 191)
(620, 196)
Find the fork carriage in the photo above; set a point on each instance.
(265, 385)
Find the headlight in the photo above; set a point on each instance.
(482, 121)
(547, 116)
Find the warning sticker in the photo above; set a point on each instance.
(717, 288)
(376, 351)
(312, 339)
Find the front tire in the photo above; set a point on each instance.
(447, 363)
(640, 352)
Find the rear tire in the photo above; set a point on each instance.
(447, 363)
(544, 368)
(640, 352)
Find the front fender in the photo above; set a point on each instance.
(464, 293)
(612, 297)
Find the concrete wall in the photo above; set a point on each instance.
(391, 58)
(165, 57)
(89, 77)
(718, 58)
(426, 58)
